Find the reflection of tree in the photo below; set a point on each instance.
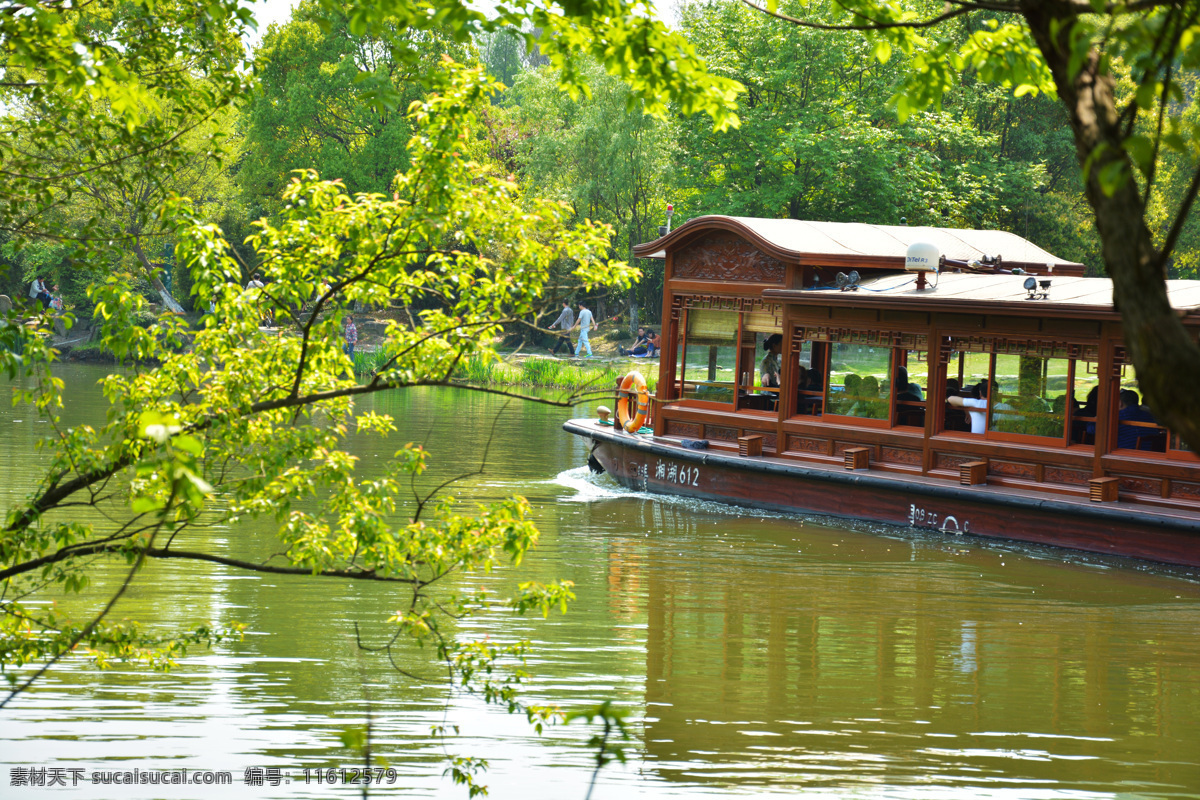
(885, 661)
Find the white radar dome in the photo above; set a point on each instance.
(922, 257)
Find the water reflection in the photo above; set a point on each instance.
(811, 657)
(756, 651)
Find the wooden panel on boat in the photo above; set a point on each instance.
(1185, 490)
(899, 456)
(1075, 477)
(856, 314)
(805, 444)
(1150, 486)
(960, 322)
(1073, 328)
(687, 430)
(905, 317)
(725, 256)
(1012, 469)
(1015, 324)
(951, 461)
(770, 442)
(720, 434)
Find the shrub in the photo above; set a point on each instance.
(181, 286)
(620, 334)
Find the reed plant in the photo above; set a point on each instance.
(549, 373)
(542, 373)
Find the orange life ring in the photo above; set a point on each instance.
(633, 382)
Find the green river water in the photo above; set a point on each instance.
(755, 653)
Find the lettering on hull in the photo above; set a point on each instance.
(920, 517)
(664, 472)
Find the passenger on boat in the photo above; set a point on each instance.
(908, 392)
(956, 418)
(1083, 422)
(769, 368)
(1131, 410)
(975, 406)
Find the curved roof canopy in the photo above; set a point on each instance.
(806, 242)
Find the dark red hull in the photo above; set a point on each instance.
(659, 465)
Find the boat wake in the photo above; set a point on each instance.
(590, 487)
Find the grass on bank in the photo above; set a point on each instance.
(542, 373)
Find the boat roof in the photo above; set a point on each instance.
(958, 291)
(807, 241)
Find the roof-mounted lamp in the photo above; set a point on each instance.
(1037, 288)
(922, 257)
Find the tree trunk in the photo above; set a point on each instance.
(168, 302)
(1165, 356)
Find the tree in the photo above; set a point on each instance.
(819, 139)
(114, 95)
(1120, 72)
(335, 102)
(258, 422)
(611, 164)
(230, 415)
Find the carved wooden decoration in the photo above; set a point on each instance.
(723, 256)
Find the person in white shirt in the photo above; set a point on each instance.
(37, 291)
(975, 406)
(584, 323)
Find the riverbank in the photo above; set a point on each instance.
(517, 368)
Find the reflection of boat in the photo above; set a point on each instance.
(854, 665)
(1059, 454)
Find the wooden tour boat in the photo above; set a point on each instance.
(922, 382)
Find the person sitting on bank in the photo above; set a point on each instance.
(975, 406)
(769, 367)
(37, 291)
(649, 348)
(639, 344)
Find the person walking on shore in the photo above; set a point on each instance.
(565, 321)
(350, 332)
(585, 324)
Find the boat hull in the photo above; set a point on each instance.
(657, 465)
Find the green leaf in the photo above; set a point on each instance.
(1112, 176)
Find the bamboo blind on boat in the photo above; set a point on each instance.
(703, 323)
(766, 321)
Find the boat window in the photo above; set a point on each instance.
(911, 382)
(1085, 396)
(968, 377)
(709, 358)
(759, 377)
(1134, 426)
(810, 377)
(859, 379)
(1029, 395)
